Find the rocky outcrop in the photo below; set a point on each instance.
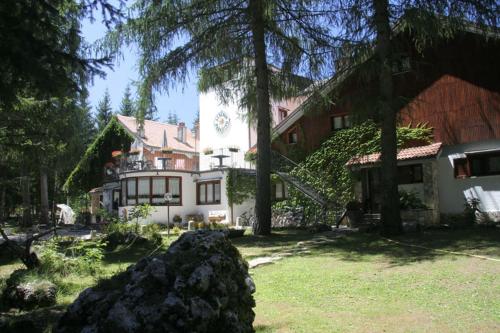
(287, 217)
(29, 295)
(201, 284)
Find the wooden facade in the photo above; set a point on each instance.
(453, 87)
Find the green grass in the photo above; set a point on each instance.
(358, 283)
(362, 283)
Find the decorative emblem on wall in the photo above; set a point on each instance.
(221, 122)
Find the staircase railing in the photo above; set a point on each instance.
(283, 167)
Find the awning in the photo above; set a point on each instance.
(403, 155)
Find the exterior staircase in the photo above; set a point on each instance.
(282, 167)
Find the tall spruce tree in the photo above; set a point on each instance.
(104, 111)
(232, 43)
(367, 29)
(127, 107)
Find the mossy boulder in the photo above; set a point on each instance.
(201, 284)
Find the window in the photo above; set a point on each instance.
(409, 174)
(152, 190)
(131, 191)
(477, 164)
(159, 188)
(461, 168)
(208, 193)
(292, 136)
(281, 191)
(283, 113)
(124, 190)
(143, 190)
(340, 122)
(484, 164)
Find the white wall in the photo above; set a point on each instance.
(236, 135)
(453, 192)
(189, 206)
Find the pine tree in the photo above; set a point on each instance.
(104, 111)
(232, 42)
(367, 31)
(127, 107)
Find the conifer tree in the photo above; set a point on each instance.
(232, 43)
(104, 111)
(127, 107)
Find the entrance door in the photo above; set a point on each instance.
(371, 190)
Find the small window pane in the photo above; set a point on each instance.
(124, 192)
(201, 192)
(210, 193)
(337, 123)
(131, 187)
(217, 192)
(279, 190)
(347, 121)
(159, 186)
(494, 164)
(175, 189)
(144, 187)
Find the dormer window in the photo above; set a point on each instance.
(283, 113)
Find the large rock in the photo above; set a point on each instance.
(29, 295)
(201, 284)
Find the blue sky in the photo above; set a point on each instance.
(182, 99)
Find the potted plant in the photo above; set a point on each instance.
(177, 219)
(167, 150)
(250, 156)
(134, 151)
(234, 149)
(208, 151)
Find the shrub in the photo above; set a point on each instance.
(152, 233)
(410, 200)
(177, 218)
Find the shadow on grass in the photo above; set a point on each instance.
(363, 247)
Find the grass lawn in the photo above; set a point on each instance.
(361, 283)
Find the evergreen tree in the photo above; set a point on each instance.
(127, 107)
(104, 111)
(232, 43)
(366, 30)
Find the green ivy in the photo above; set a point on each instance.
(240, 186)
(326, 171)
(88, 172)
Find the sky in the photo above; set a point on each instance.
(183, 99)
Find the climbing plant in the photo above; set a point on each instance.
(326, 171)
(88, 172)
(240, 186)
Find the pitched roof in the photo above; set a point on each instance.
(154, 132)
(403, 155)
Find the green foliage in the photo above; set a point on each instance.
(325, 169)
(239, 186)
(88, 172)
(104, 111)
(82, 257)
(410, 200)
(127, 107)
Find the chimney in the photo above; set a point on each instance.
(181, 132)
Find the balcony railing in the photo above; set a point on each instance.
(160, 164)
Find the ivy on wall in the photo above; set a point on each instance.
(325, 168)
(88, 172)
(240, 186)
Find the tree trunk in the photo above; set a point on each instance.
(390, 213)
(26, 196)
(44, 197)
(3, 215)
(262, 225)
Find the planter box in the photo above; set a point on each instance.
(235, 233)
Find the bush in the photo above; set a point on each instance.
(83, 257)
(410, 200)
(152, 233)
